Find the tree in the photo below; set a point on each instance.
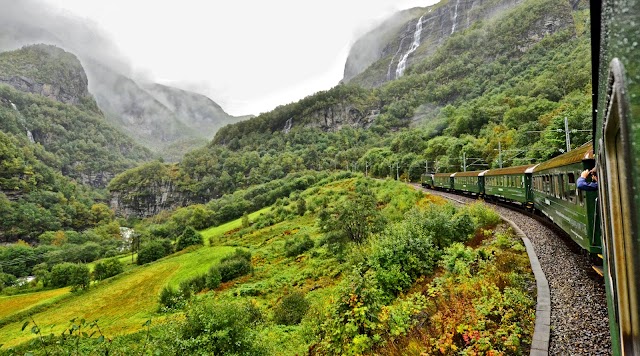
(154, 250)
(355, 219)
(189, 237)
(108, 268)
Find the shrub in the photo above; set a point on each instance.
(233, 268)
(238, 253)
(483, 216)
(291, 309)
(219, 329)
(296, 246)
(170, 299)
(108, 268)
(213, 278)
(6, 280)
(301, 205)
(193, 285)
(190, 237)
(70, 274)
(153, 250)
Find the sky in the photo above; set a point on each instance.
(247, 55)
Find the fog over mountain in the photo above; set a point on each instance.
(129, 99)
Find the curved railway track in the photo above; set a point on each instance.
(579, 319)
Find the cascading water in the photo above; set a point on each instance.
(287, 125)
(24, 126)
(455, 16)
(414, 45)
(394, 58)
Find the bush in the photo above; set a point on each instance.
(70, 274)
(296, 246)
(190, 237)
(291, 309)
(233, 268)
(193, 285)
(170, 299)
(154, 250)
(219, 329)
(238, 253)
(483, 216)
(6, 280)
(213, 278)
(106, 269)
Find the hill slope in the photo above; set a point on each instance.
(119, 92)
(45, 101)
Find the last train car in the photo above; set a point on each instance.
(555, 194)
(615, 40)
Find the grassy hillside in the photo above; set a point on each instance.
(122, 304)
(251, 313)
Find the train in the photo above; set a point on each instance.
(549, 188)
(605, 222)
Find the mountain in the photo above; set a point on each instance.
(521, 67)
(44, 100)
(194, 110)
(413, 35)
(168, 121)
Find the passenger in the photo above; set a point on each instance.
(588, 186)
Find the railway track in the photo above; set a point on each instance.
(579, 320)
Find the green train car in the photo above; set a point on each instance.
(615, 39)
(427, 180)
(443, 181)
(512, 184)
(555, 194)
(468, 182)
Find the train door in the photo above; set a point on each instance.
(619, 223)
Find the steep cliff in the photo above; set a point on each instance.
(146, 190)
(45, 101)
(47, 71)
(386, 52)
(134, 106)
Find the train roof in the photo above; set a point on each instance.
(509, 170)
(468, 174)
(442, 174)
(584, 152)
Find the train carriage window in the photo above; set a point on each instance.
(563, 192)
(580, 197)
(571, 188)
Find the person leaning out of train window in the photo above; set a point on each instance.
(589, 186)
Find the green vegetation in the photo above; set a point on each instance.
(255, 296)
(501, 102)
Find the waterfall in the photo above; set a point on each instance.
(394, 58)
(287, 125)
(23, 123)
(414, 45)
(455, 17)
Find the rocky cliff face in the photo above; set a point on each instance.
(155, 198)
(47, 71)
(339, 116)
(376, 57)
